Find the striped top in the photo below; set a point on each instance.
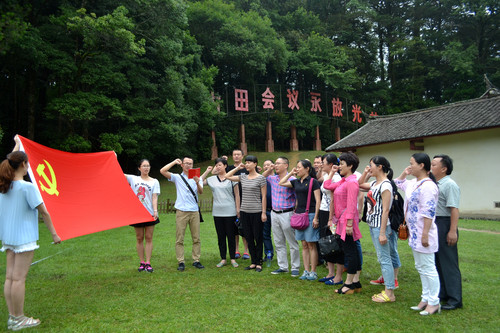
(374, 213)
(18, 213)
(251, 201)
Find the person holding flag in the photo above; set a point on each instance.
(147, 190)
(20, 203)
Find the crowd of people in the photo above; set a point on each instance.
(255, 202)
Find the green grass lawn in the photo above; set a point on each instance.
(91, 284)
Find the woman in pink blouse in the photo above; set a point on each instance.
(421, 197)
(345, 199)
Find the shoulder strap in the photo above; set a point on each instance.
(189, 187)
(309, 195)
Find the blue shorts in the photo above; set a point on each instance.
(309, 234)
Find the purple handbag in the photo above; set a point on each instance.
(301, 221)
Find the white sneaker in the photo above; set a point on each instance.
(304, 276)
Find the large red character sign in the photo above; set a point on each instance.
(268, 99)
(315, 99)
(240, 100)
(357, 113)
(292, 99)
(336, 107)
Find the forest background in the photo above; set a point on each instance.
(137, 76)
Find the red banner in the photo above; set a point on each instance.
(84, 193)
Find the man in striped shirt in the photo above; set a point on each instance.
(283, 204)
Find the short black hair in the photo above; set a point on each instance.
(447, 162)
(269, 160)
(285, 159)
(221, 160)
(251, 158)
(350, 159)
(331, 159)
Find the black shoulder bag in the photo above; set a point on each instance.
(194, 195)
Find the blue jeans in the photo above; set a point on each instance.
(384, 256)
(266, 234)
(393, 242)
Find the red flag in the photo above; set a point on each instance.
(84, 193)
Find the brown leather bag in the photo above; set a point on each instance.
(403, 231)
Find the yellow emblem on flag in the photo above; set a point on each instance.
(52, 183)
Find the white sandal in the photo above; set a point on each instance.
(23, 322)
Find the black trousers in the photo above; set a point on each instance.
(447, 265)
(253, 232)
(352, 255)
(224, 226)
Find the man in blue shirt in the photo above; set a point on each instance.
(447, 223)
(186, 206)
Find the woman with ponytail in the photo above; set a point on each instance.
(305, 172)
(20, 203)
(379, 202)
(421, 197)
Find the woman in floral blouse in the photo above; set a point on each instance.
(421, 197)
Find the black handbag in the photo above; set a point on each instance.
(329, 244)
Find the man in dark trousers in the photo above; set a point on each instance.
(447, 224)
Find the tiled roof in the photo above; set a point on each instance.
(451, 118)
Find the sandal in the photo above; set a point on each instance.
(235, 264)
(149, 268)
(24, 322)
(349, 291)
(382, 298)
(219, 265)
(357, 287)
(142, 266)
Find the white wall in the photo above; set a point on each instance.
(476, 162)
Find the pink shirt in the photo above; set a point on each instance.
(345, 201)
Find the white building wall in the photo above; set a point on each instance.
(476, 162)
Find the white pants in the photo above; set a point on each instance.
(426, 267)
(283, 232)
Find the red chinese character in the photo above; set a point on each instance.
(240, 100)
(268, 99)
(337, 107)
(315, 102)
(373, 114)
(357, 113)
(292, 99)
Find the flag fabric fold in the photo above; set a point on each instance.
(84, 193)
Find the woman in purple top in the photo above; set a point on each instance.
(421, 197)
(345, 200)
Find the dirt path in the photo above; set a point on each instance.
(485, 231)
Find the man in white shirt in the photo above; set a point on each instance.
(187, 209)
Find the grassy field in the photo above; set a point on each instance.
(91, 284)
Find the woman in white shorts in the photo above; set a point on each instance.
(20, 203)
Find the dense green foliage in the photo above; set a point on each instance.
(136, 76)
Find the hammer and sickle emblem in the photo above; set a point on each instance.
(52, 183)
